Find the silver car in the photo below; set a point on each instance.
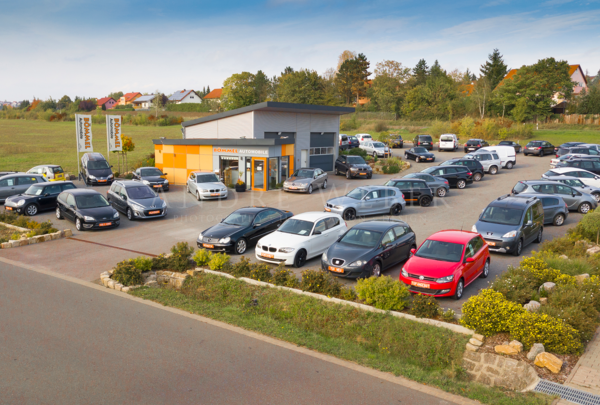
(206, 186)
(18, 183)
(136, 199)
(575, 200)
(490, 161)
(367, 200)
(375, 148)
(576, 184)
(305, 180)
(438, 185)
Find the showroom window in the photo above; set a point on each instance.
(321, 151)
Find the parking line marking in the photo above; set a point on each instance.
(113, 247)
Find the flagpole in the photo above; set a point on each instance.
(107, 139)
(77, 141)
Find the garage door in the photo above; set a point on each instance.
(321, 150)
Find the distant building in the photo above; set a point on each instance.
(108, 102)
(214, 95)
(144, 102)
(129, 98)
(185, 96)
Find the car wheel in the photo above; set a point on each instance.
(486, 269)
(519, 248)
(58, 214)
(376, 270)
(459, 290)
(349, 214)
(417, 159)
(310, 189)
(129, 214)
(541, 153)
(324, 184)
(337, 172)
(466, 151)
(425, 201)
(241, 246)
(597, 197)
(509, 165)
(395, 209)
(78, 225)
(300, 258)
(539, 237)
(477, 177)
(559, 219)
(585, 207)
(375, 155)
(198, 195)
(441, 192)
(348, 175)
(31, 210)
(525, 154)
(493, 170)
(461, 184)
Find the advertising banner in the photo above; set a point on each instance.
(83, 125)
(113, 132)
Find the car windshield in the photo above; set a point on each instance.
(140, 193)
(446, 138)
(303, 173)
(425, 138)
(352, 138)
(357, 193)
(505, 143)
(361, 237)
(573, 182)
(207, 178)
(443, 251)
(356, 160)
(396, 137)
(91, 201)
(151, 172)
(419, 150)
(97, 164)
(296, 227)
(239, 219)
(34, 190)
(57, 169)
(473, 142)
(378, 145)
(502, 215)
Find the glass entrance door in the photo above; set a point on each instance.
(259, 181)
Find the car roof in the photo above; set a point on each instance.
(374, 187)
(513, 201)
(148, 167)
(453, 236)
(537, 182)
(314, 215)
(567, 169)
(256, 209)
(130, 183)
(44, 166)
(95, 156)
(379, 224)
(21, 175)
(423, 135)
(410, 178)
(50, 183)
(81, 191)
(558, 178)
(539, 195)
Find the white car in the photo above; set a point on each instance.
(301, 237)
(448, 142)
(363, 138)
(587, 178)
(375, 148)
(507, 154)
(206, 186)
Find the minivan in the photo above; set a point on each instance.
(425, 141)
(96, 170)
(363, 138)
(507, 154)
(448, 142)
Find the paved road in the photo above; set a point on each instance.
(187, 217)
(65, 343)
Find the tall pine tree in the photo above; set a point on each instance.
(494, 69)
(420, 72)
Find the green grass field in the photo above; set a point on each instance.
(26, 143)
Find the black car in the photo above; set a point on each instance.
(87, 208)
(475, 144)
(539, 148)
(419, 154)
(18, 183)
(242, 228)
(473, 165)
(591, 165)
(564, 148)
(457, 176)
(353, 166)
(353, 142)
(153, 177)
(395, 141)
(518, 148)
(425, 141)
(95, 169)
(415, 191)
(367, 249)
(38, 197)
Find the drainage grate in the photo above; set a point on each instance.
(568, 393)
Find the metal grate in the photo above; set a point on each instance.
(568, 393)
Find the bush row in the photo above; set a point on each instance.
(36, 228)
(488, 128)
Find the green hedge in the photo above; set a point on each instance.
(188, 107)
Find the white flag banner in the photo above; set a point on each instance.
(113, 132)
(84, 133)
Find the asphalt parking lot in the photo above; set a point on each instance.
(88, 254)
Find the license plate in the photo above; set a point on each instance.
(363, 174)
(153, 212)
(328, 209)
(105, 224)
(214, 194)
(293, 188)
(471, 148)
(336, 269)
(267, 255)
(422, 285)
(101, 181)
(206, 245)
(490, 243)
(8, 208)
(157, 186)
(429, 158)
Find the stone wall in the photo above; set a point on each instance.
(495, 370)
(36, 239)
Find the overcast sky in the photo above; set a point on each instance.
(84, 48)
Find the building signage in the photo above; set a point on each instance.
(83, 124)
(113, 133)
(237, 151)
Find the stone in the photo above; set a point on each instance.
(484, 379)
(505, 349)
(68, 233)
(24, 242)
(118, 286)
(152, 284)
(111, 271)
(532, 306)
(536, 349)
(581, 278)
(478, 337)
(15, 243)
(563, 257)
(491, 370)
(33, 241)
(104, 273)
(125, 289)
(111, 284)
(47, 238)
(476, 357)
(471, 348)
(475, 342)
(468, 365)
(105, 281)
(548, 286)
(593, 250)
(489, 358)
(192, 273)
(55, 235)
(550, 361)
(518, 346)
(6, 245)
(23, 236)
(543, 300)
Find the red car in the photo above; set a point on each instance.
(446, 263)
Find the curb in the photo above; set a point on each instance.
(34, 239)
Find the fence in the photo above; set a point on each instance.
(576, 119)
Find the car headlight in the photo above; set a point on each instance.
(111, 176)
(146, 182)
(88, 219)
(354, 169)
(258, 246)
(116, 215)
(166, 181)
(204, 191)
(164, 204)
(200, 236)
(286, 250)
(358, 263)
(324, 257)
(21, 202)
(223, 189)
(338, 207)
(474, 229)
(446, 279)
(224, 240)
(404, 272)
(92, 177)
(510, 234)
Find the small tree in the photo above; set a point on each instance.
(128, 146)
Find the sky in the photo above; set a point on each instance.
(50, 48)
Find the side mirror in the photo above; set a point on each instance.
(529, 223)
(111, 166)
(316, 232)
(257, 225)
(367, 198)
(469, 260)
(164, 174)
(125, 197)
(340, 238)
(413, 251)
(46, 195)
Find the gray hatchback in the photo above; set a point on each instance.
(556, 210)
(438, 185)
(17, 183)
(136, 200)
(575, 200)
(367, 200)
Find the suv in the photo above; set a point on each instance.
(415, 191)
(474, 166)
(457, 176)
(539, 148)
(575, 200)
(490, 161)
(352, 166)
(474, 144)
(448, 142)
(376, 148)
(510, 223)
(18, 183)
(95, 169)
(395, 141)
(425, 141)
(136, 199)
(344, 142)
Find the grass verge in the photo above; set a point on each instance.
(422, 353)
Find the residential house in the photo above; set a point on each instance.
(185, 96)
(214, 95)
(108, 102)
(144, 102)
(128, 98)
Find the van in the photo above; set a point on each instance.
(50, 172)
(364, 137)
(448, 142)
(425, 141)
(344, 141)
(489, 160)
(507, 155)
(96, 170)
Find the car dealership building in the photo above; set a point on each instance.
(260, 144)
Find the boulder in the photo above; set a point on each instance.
(68, 233)
(471, 348)
(532, 306)
(478, 337)
(506, 349)
(536, 349)
(111, 284)
(550, 361)
(593, 250)
(518, 346)
(548, 286)
(581, 278)
(563, 257)
(118, 286)
(475, 342)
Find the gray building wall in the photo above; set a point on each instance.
(235, 127)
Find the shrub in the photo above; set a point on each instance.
(424, 306)
(319, 281)
(572, 267)
(489, 312)
(383, 293)
(354, 152)
(448, 315)
(466, 127)
(202, 257)
(143, 263)
(127, 274)
(555, 334)
(440, 127)
(239, 269)
(380, 126)
(515, 285)
(392, 165)
(284, 277)
(218, 260)
(180, 256)
(260, 272)
(161, 262)
(589, 226)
